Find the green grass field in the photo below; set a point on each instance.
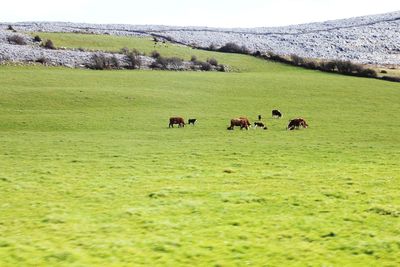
(92, 175)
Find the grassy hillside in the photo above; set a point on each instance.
(146, 45)
(91, 174)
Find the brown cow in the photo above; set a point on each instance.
(297, 123)
(242, 122)
(176, 120)
(246, 120)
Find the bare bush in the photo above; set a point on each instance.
(134, 60)
(212, 61)
(11, 28)
(221, 68)
(257, 54)
(16, 39)
(165, 63)
(312, 65)
(391, 78)
(102, 62)
(115, 62)
(49, 44)
(193, 58)
(233, 48)
(296, 60)
(155, 54)
(175, 63)
(125, 50)
(205, 66)
(275, 57)
(369, 73)
(37, 39)
(212, 47)
(161, 63)
(329, 66)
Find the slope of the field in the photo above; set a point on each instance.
(92, 175)
(146, 45)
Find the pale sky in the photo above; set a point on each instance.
(213, 13)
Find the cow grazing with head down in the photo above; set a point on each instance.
(261, 125)
(276, 113)
(246, 120)
(192, 121)
(176, 120)
(242, 122)
(297, 123)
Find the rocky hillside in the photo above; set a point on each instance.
(369, 39)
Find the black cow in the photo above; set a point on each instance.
(276, 113)
(261, 125)
(192, 121)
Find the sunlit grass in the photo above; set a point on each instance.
(91, 175)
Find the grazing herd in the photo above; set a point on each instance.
(244, 122)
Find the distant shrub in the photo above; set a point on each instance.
(163, 63)
(49, 44)
(37, 39)
(175, 63)
(212, 47)
(134, 60)
(233, 48)
(193, 58)
(212, 61)
(296, 60)
(384, 71)
(102, 62)
(329, 66)
(115, 62)
(155, 54)
(312, 65)
(257, 54)
(391, 78)
(205, 66)
(16, 39)
(99, 62)
(160, 63)
(221, 68)
(124, 50)
(275, 57)
(344, 67)
(11, 28)
(369, 73)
